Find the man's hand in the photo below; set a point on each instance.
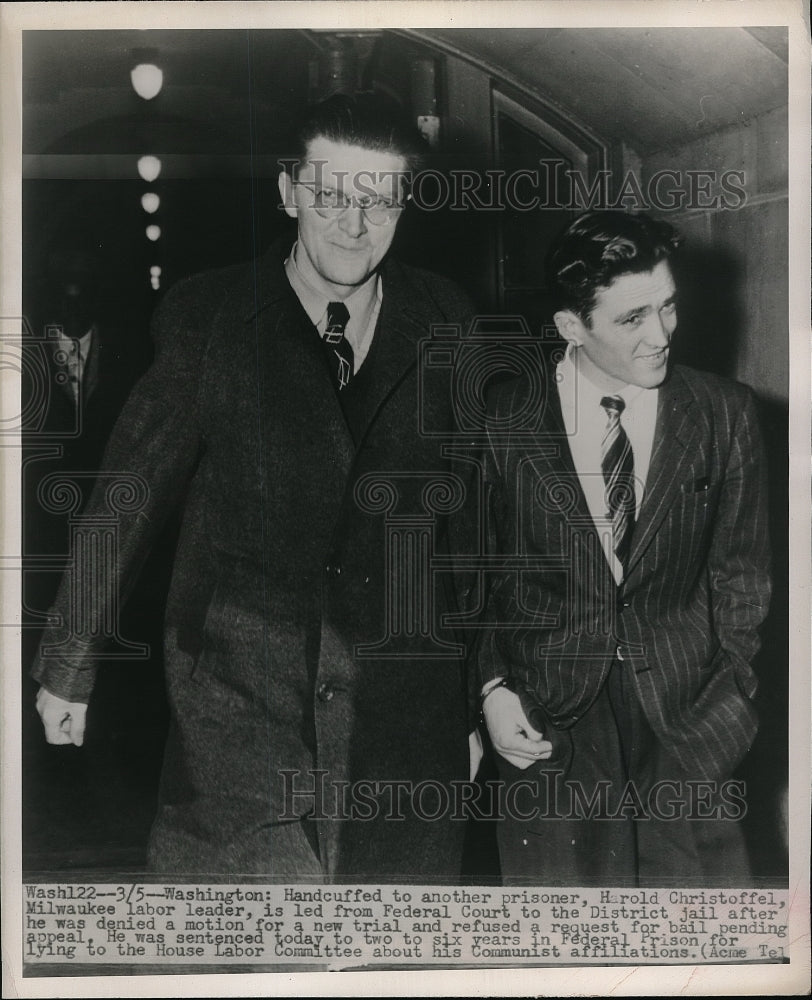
(64, 721)
(475, 752)
(511, 734)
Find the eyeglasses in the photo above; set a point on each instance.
(330, 203)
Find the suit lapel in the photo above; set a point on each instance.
(64, 397)
(90, 375)
(557, 457)
(673, 451)
(555, 465)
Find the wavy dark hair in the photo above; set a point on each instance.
(365, 119)
(600, 246)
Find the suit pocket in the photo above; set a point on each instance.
(746, 679)
(561, 757)
(692, 514)
(214, 681)
(699, 490)
(207, 680)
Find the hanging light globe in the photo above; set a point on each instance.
(147, 80)
(149, 167)
(150, 202)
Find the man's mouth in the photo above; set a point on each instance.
(350, 249)
(654, 358)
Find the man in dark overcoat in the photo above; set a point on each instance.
(312, 685)
(617, 679)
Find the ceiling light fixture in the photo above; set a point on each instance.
(149, 167)
(147, 80)
(150, 202)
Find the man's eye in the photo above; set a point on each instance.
(368, 202)
(633, 321)
(326, 196)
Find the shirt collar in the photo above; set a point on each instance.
(84, 341)
(315, 302)
(588, 395)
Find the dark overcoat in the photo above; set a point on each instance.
(297, 657)
(66, 436)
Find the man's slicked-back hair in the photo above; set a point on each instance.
(365, 119)
(599, 247)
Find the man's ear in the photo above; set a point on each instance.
(570, 326)
(286, 191)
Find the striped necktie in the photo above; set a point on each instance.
(617, 465)
(340, 348)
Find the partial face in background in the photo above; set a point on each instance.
(73, 291)
(340, 245)
(628, 333)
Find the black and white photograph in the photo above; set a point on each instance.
(406, 542)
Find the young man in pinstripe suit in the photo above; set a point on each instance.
(617, 686)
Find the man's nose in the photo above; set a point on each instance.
(659, 330)
(353, 222)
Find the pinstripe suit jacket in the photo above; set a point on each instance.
(685, 620)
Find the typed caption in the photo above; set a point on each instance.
(353, 926)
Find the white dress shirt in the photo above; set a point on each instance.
(364, 306)
(76, 352)
(585, 423)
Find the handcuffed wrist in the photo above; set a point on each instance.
(490, 687)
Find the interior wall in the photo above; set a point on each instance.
(736, 322)
(734, 317)
(740, 255)
(469, 139)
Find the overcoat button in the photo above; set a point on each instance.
(325, 693)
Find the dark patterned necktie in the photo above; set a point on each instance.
(617, 464)
(341, 351)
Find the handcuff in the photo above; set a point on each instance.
(537, 715)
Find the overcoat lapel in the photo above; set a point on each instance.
(675, 441)
(292, 355)
(400, 330)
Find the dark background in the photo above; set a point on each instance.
(620, 100)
